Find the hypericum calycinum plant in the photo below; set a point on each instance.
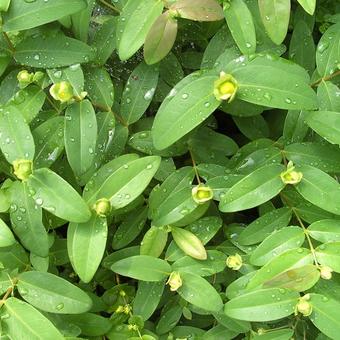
(169, 169)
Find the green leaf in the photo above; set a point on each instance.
(49, 141)
(298, 279)
(241, 25)
(323, 156)
(319, 188)
(277, 243)
(6, 237)
(170, 316)
(99, 87)
(189, 243)
(328, 51)
(25, 321)
(54, 194)
(138, 92)
(121, 180)
(142, 267)
(253, 128)
(199, 292)
(26, 219)
(326, 124)
(262, 305)
(134, 23)
(52, 51)
(29, 102)
(80, 136)
(275, 17)
(271, 81)
(328, 254)
(27, 14)
(189, 103)
(254, 189)
(323, 316)
(295, 127)
(14, 257)
(302, 54)
(215, 263)
(328, 97)
(81, 21)
(53, 294)
(291, 259)
(16, 140)
(154, 242)
(130, 228)
(263, 226)
(86, 245)
(308, 5)
(200, 10)
(160, 38)
(104, 40)
(325, 231)
(147, 298)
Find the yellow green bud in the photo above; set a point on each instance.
(326, 272)
(303, 306)
(174, 281)
(62, 91)
(202, 193)
(127, 309)
(102, 207)
(23, 168)
(225, 87)
(119, 309)
(234, 262)
(133, 327)
(25, 78)
(290, 176)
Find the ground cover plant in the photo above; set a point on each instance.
(170, 169)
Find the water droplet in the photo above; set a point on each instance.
(39, 201)
(60, 306)
(36, 57)
(185, 95)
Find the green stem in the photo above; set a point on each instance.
(9, 43)
(110, 6)
(333, 75)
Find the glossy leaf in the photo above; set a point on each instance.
(160, 38)
(80, 136)
(189, 103)
(328, 255)
(325, 231)
(142, 267)
(154, 242)
(26, 14)
(16, 140)
(275, 17)
(6, 237)
(39, 327)
(262, 305)
(54, 194)
(254, 189)
(86, 245)
(53, 294)
(199, 292)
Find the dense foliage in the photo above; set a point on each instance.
(169, 169)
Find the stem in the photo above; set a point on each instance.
(195, 167)
(8, 292)
(333, 75)
(116, 115)
(110, 6)
(9, 43)
(52, 104)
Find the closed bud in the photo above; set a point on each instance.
(326, 272)
(102, 207)
(303, 306)
(174, 281)
(202, 193)
(234, 262)
(62, 91)
(225, 87)
(23, 168)
(25, 78)
(290, 176)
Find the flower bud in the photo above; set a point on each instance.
(290, 176)
(25, 78)
(23, 168)
(102, 207)
(303, 306)
(174, 281)
(62, 91)
(234, 262)
(202, 193)
(225, 87)
(326, 272)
